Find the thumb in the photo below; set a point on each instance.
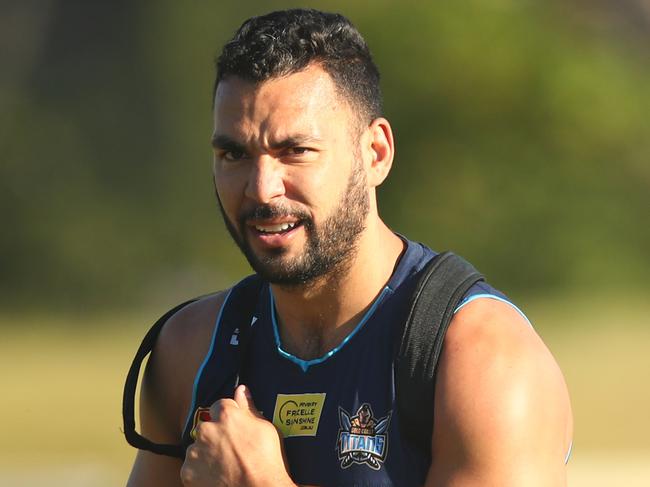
(244, 399)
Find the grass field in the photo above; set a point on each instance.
(62, 379)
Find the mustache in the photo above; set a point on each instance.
(265, 211)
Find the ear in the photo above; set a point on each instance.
(381, 149)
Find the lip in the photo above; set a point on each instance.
(270, 223)
(272, 240)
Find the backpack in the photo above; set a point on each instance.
(443, 283)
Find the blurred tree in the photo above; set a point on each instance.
(522, 143)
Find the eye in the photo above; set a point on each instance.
(232, 155)
(299, 154)
(298, 151)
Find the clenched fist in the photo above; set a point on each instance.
(237, 447)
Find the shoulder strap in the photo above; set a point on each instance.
(444, 283)
(131, 384)
(244, 305)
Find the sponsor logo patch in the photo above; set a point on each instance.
(200, 415)
(298, 414)
(362, 438)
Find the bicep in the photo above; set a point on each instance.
(502, 415)
(151, 470)
(167, 389)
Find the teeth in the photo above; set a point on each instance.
(280, 227)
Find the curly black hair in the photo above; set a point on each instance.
(285, 42)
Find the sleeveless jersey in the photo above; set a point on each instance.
(337, 413)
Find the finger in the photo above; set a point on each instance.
(220, 405)
(187, 472)
(244, 399)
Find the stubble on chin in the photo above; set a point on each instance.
(328, 250)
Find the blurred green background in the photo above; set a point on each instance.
(523, 143)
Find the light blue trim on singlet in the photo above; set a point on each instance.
(190, 414)
(305, 364)
(491, 296)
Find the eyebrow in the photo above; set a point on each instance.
(225, 142)
(294, 141)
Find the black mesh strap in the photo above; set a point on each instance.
(445, 281)
(128, 400)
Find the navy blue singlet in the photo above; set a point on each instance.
(337, 413)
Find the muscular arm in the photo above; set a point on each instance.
(167, 389)
(502, 413)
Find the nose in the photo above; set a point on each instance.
(265, 180)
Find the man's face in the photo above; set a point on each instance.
(289, 177)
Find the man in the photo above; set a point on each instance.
(300, 147)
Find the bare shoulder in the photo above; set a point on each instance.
(167, 388)
(502, 406)
(168, 381)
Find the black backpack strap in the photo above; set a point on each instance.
(240, 308)
(444, 283)
(225, 367)
(131, 383)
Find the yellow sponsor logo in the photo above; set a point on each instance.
(298, 414)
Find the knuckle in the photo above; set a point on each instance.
(222, 409)
(204, 431)
(187, 474)
(191, 454)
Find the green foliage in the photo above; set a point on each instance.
(522, 143)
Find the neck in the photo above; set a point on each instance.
(314, 319)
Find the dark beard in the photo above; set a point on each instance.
(329, 249)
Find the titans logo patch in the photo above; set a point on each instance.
(362, 438)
